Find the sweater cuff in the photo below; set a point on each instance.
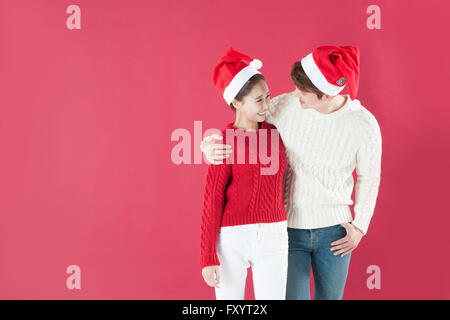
(209, 259)
(362, 222)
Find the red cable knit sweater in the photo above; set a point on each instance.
(237, 193)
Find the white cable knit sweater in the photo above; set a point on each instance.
(322, 151)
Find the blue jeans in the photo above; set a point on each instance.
(311, 247)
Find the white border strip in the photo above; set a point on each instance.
(238, 82)
(317, 78)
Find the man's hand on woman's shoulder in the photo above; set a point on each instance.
(215, 152)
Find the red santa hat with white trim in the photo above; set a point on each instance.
(331, 68)
(232, 72)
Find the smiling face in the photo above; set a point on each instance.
(310, 99)
(307, 93)
(255, 104)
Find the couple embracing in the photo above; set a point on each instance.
(284, 222)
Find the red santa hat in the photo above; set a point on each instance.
(232, 71)
(330, 68)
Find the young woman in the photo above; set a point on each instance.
(244, 222)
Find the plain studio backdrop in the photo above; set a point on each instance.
(86, 119)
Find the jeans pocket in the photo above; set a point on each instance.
(334, 232)
(341, 230)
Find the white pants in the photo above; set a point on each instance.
(261, 246)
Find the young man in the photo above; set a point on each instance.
(326, 136)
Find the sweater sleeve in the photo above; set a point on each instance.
(287, 187)
(217, 180)
(368, 169)
(276, 108)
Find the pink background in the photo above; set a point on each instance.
(85, 137)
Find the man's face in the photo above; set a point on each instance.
(309, 99)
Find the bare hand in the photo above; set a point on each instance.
(348, 243)
(211, 275)
(215, 152)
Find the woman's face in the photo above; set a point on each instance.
(256, 103)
